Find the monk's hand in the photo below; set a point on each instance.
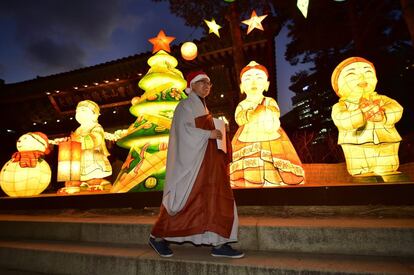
(216, 134)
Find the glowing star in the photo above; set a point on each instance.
(255, 22)
(303, 7)
(213, 27)
(161, 42)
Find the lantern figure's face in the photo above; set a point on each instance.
(85, 115)
(28, 142)
(356, 80)
(254, 82)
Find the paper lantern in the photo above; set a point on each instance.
(303, 7)
(147, 137)
(27, 174)
(255, 22)
(21, 182)
(161, 42)
(263, 155)
(365, 120)
(213, 27)
(69, 161)
(189, 51)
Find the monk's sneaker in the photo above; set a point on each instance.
(161, 247)
(226, 251)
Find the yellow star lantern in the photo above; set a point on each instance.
(161, 42)
(255, 22)
(213, 27)
(303, 7)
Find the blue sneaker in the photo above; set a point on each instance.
(226, 251)
(161, 247)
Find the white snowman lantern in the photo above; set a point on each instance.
(27, 173)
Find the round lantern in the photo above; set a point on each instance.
(21, 182)
(27, 173)
(189, 51)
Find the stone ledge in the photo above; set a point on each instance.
(86, 258)
(363, 236)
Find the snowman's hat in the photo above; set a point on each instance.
(42, 139)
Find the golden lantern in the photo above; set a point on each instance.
(189, 51)
(366, 121)
(27, 173)
(69, 158)
(213, 27)
(263, 155)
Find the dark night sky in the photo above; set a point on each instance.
(44, 37)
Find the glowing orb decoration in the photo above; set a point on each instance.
(189, 51)
(213, 27)
(161, 42)
(263, 155)
(27, 174)
(255, 22)
(365, 120)
(151, 182)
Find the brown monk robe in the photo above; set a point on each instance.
(210, 206)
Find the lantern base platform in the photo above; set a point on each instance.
(326, 184)
(398, 177)
(356, 194)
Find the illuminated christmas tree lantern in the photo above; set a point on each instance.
(147, 138)
(365, 120)
(69, 158)
(27, 173)
(189, 51)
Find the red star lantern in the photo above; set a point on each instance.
(255, 22)
(161, 42)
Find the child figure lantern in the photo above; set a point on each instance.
(263, 155)
(27, 173)
(94, 163)
(365, 120)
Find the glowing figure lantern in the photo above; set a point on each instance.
(263, 155)
(27, 173)
(147, 138)
(189, 51)
(365, 120)
(94, 163)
